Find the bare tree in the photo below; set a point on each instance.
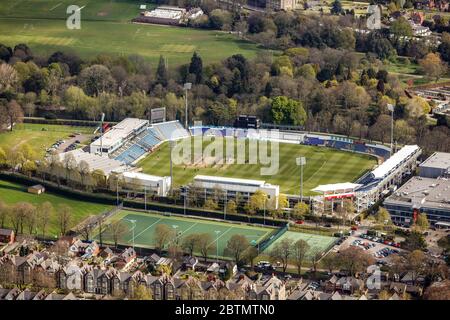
(206, 244)
(18, 215)
(64, 218)
(45, 212)
(190, 243)
(4, 213)
(117, 230)
(299, 250)
(163, 235)
(236, 246)
(282, 252)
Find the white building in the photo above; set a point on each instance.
(118, 135)
(437, 165)
(155, 184)
(233, 186)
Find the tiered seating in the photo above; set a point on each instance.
(171, 130)
(131, 154)
(312, 141)
(148, 140)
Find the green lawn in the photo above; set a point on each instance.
(12, 193)
(106, 28)
(146, 224)
(323, 166)
(38, 136)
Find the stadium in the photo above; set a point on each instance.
(140, 154)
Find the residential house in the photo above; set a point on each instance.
(7, 236)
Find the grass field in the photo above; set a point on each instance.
(38, 136)
(12, 193)
(316, 242)
(106, 28)
(323, 166)
(146, 224)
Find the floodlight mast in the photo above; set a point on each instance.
(187, 86)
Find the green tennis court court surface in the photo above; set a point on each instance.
(146, 224)
(317, 243)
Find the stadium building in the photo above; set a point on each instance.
(232, 187)
(421, 195)
(149, 183)
(117, 136)
(437, 165)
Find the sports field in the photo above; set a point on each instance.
(323, 165)
(12, 193)
(146, 224)
(106, 28)
(38, 136)
(317, 243)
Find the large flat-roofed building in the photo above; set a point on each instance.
(437, 165)
(233, 186)
(118, 135)
(421, 195)
(95, 161)
(152, 184)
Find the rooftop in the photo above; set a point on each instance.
(396, 159)
(337, 187)
(96, 162)
(119, 131)
(142, 176)
(212, 179)
(439, 160)
(421, 192)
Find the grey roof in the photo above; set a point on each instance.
(421, 192)
(439, 160)
(5, 232)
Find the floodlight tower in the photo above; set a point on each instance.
(187, 86)
(391, 109)
(301, 161)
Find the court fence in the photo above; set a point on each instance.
(272, 237)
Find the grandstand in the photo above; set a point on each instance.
(131, 139)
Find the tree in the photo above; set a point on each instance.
(421, 222)
(336, 7)
(45, 213)
(231, 206)
(287, 111)
(236, 245)
(162, 76)
(196, 67)
(354, 260)
(416, 264)
(4, 213)
(400, 28)
(13, 113)
(382, 216)
(257, 201)
(433, 66)
(299, 250)
(414, 241)
(141, 292)
(301, 209)
(64, 218)
(163, 235)
(330, 261)
(30, 219)
(250, 254)
(8, 77)
(282, 252)
(205, 244)
(438, 291)
(96, 79)
(84, 170)
(19, 214)
(190, 243)
(117, 230)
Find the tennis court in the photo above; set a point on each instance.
(146, 223)
(317, 243)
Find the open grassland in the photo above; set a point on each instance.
(12, 193)
(323, 166)
(106, 28)
(38, 136)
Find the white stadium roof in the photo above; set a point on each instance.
(215, 179)
(142, 176)
(336, 187)
(119, 132)
(396, 159)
